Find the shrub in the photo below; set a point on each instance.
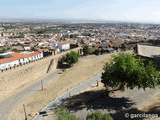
(97, 115)
(64, 114)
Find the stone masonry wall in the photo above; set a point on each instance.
(21, 76)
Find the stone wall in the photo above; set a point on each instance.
(148, 51)
(20, 77)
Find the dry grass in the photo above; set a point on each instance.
(74, 76)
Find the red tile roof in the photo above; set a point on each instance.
(116, 40)
(97, 45)
(63, 43)
(30, 55)
(6, 60)
(17, 56)
(41, 50)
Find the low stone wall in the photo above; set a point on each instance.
(21, 76)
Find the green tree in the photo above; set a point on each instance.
(3, 50)
(127, 71)
(97, 115)
(115, 48)
(71, 58)
(41, 47)
(103, 51)
(97, 52)
(33, 49)
(152, 42)
(15, 50)
(73, 36)
(87, 50)
(8, 48)
(64, 114)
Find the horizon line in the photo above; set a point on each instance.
(80, 20)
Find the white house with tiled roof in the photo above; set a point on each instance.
(15, 59)
(61, 46)
(64, 45)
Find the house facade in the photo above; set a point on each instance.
(61, 46)
(64, 46)
(17, 59)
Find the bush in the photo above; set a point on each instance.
(97, 52)
(103, 51)
(33, 49)
(97, 115)
(3, 50)
(64, 114)
(15, 50)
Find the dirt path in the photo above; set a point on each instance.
(80, 72)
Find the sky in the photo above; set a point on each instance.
(105, 10)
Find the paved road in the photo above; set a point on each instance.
(49, 108)
(7, 105)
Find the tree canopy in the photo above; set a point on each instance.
(15, 50)
(125, 70)
(3, 50)
(71, 58)
(97, 52)
(87, 50)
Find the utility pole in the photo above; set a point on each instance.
(41, 85)
(25, 114)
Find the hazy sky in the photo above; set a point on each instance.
(118, 10)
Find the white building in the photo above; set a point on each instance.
(16, 59)
(2, 44)
(64, 46)
(27, 47)
(61, 46)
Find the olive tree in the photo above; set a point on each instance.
(71, 58)
(127, 71)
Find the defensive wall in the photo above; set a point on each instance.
(21, 76)
(149, 53)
